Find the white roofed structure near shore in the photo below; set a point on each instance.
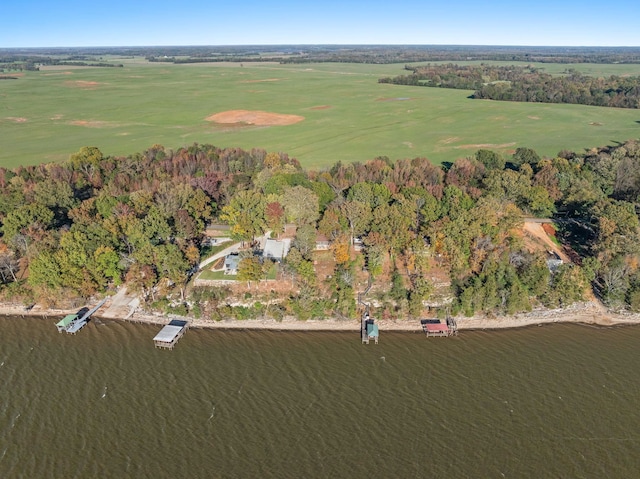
(170, 334)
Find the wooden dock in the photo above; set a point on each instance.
(437, 328)
(169, 335)
(369, 329)
(72, 323)
(65, 323)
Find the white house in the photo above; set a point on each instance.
(276, 250)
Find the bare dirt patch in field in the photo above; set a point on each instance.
(533, 117)
(449, 140)
(258, 118)
(484, 145)
(321, 107)
(91, 123)
(85, 85)
(16, 119)
(260, 81)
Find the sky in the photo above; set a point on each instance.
(71, 23)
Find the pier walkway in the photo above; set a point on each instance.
(72, 323)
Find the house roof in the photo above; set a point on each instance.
(436, 327)
(67, 320)
(320, 238)
(275, 249)
(231, 261)
(372, 330)
(170, 331)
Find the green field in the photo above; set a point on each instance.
(50, 114)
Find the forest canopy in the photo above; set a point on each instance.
(527, 83)
(94, 222)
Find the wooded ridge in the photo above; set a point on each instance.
(82, 227)
(526, 83)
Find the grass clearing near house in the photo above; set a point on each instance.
(347, 115)
(207, 274)
(273, 271)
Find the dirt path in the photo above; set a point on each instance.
(536, 234)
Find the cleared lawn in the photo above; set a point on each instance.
(207, 274)
(348, 116)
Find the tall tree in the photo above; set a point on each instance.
(245, 215)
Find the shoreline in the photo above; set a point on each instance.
(588, 313)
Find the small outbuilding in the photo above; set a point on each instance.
(231, 262)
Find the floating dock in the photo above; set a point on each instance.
(437, 328)
(369, 329)
(72, 323)
(170, 334)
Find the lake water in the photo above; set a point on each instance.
(558, 401)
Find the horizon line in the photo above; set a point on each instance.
(248, 45)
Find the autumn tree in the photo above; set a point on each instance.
(341, 248)
(250, 269)
(274, 216)
(301, 205)
(245, 215)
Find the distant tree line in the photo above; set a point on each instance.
(513, 83)
(384, 54)
(212, 59)
(375, 54)
(33, 63)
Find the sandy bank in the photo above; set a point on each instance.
(586, 313)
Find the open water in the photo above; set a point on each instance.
(559, 401)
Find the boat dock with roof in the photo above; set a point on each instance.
(72, 323)
(170, 334)
(66, 322)
(437, 328)
(369, 329)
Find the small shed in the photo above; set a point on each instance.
(322, 242)
(231, 262)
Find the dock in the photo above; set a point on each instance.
(72, 323)
(170, 334)
(369, 329)
(66, 322)
(438, 328)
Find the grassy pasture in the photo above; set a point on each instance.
(50, 114)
